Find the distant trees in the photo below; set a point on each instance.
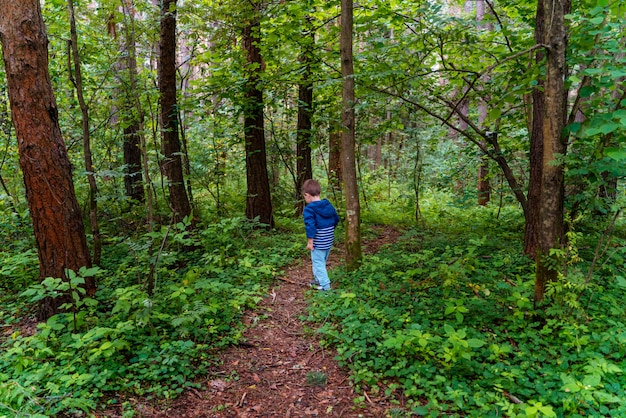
(54, 210)
(268, 92)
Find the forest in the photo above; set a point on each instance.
(152, 154)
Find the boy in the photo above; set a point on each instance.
(320, 220)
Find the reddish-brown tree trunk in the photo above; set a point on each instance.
(259, 201)
(304, 166)
(536, 147)
(171, 165)
(57, 221)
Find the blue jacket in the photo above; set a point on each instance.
(319, 214)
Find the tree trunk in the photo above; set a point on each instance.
(334, 161)
(77, 80)
(554, 145)
(57, 221)
(259, 201)
(351, 191)
(171, 165)
(484, 186)
(133, 181)
(531, 231)
(128, 119)
(137, 118)
(304, 167)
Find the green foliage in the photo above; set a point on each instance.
(128, 340)
(448, 320)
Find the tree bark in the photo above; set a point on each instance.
(258, 201)
(304, 166)
(334, 160)
(136, 142)
(554, 144)
(351, 191)
(171, 165)
(57, 221)
(484, 186)
(132, 114)
(531, 231)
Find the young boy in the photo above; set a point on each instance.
(320, 220)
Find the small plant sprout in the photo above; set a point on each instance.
(316, 378)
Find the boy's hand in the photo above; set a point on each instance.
(309, 244)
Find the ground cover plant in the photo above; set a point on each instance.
(445, 319)
(129, 340)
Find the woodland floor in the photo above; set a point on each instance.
(266, 375)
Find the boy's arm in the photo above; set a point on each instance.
(309, 226)
(309, 223)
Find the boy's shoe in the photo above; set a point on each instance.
(314, 284)
(320, 288)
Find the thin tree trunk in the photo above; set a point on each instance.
(334, 161)
(57, 221)
(129, 115)
(554, 145)
(531, 231)
(77, 80)
(171, 165)
(133, 121)
(304, 167)
(138, 112)
(259, 201)
(484, 186)
(351, 191)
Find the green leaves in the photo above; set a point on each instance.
(537, 409)
(417, 317)
(129, 341)
(456, 307)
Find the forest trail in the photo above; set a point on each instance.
(266, 376)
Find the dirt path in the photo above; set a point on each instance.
(273, 373)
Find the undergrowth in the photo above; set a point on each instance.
(445, 317)
(128, 340)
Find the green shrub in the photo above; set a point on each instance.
(130, 340)
(446, 316)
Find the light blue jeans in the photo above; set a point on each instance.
(318, 260)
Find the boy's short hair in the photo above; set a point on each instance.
(311, 187)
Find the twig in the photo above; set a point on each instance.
(368, 398)
(242, 400)
(512, 398)
(284, 279)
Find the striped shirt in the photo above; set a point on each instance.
(324, 238)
